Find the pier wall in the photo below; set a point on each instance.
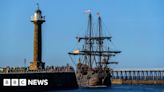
(56, 81)
(145, 82)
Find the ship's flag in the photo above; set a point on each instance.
(87, 11)
(98, 13)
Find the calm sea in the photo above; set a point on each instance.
(120, 88)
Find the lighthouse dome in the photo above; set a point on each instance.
(38, 11)
(38, 15)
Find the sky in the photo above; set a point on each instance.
(137, 28)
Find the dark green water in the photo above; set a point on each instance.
(120, 88)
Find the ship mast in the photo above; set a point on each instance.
(100, 42)
(90, 40)
(89, 52)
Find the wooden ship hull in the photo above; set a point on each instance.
(93, 77)
(94, 80)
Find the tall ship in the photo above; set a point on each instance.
(92, 69)
(37, 77)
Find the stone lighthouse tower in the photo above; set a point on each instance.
(37, 20)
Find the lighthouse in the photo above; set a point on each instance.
(37, 20)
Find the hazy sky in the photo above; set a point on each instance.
(137, 27)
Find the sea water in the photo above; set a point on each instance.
(120, 88)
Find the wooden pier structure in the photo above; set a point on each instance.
(138, 76)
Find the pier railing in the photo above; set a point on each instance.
(21, 70)
(138, 74)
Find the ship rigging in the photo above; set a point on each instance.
(94, 57)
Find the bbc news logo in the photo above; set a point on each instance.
(24, 82)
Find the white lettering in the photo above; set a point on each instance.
(38, 82)
(22, 82)
(14, 82)
(46, 82)
(6, 82)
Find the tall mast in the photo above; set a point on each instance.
(100, 42)
(90, 40)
